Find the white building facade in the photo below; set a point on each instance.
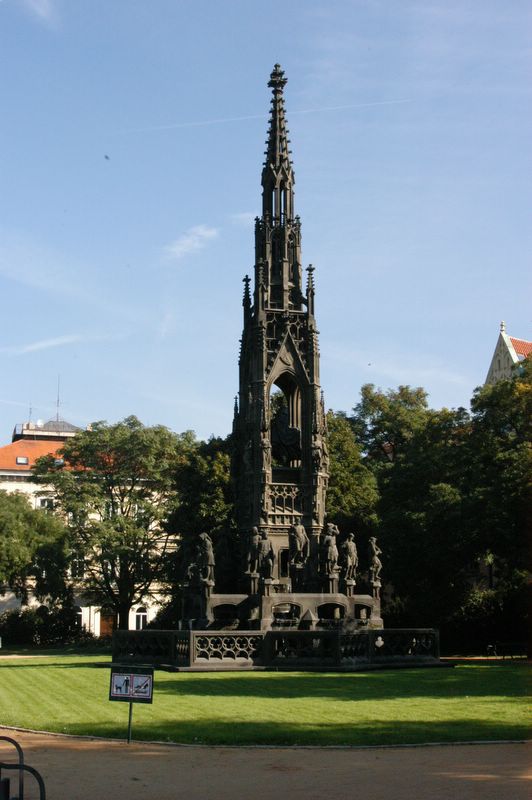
(31, 441)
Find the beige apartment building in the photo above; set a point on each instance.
(30, 441)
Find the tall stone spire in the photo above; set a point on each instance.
(280, 461)
(277, 233)
(277, 173)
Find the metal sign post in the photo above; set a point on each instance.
(129, 722)
(131, 685)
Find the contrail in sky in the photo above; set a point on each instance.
(257, 116)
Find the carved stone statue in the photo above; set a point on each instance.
(317, 452)
(299, 544)
(350, 557)
(325, 457)
(253, 552)
(266, 556)
(330, 550)
(320, 454)
(266, 454)
(205, 557)
(375, 564)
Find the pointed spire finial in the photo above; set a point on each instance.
(277, 153)
(277, 79)
(503, 326)
(247, 297)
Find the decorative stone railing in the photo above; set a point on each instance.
(281, 649)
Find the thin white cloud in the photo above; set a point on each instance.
(220, 120)
(191, 241)
(14, 403)
(33, 264)
(43, 10)
(244, 218)
(47, 344)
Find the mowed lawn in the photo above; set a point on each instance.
(69, 694)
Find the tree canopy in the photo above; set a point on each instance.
(33, 549)
(446, 491)
(352, 493)
(115, 486)
(453, 490)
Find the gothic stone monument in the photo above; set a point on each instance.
(298, 601)
(297, 571)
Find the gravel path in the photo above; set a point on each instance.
(82, 769)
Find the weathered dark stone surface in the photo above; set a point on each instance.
(298, 601)
(275, 649)
(296, 571)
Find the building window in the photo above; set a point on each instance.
(46, 504)
(141, 618)
(23, 460)
(78, 618)
(77, 565)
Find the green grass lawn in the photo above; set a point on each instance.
(68, 694)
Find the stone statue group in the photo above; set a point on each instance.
(260, 555)
(335, 561)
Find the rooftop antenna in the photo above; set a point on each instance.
(31, 412)
(57, 404)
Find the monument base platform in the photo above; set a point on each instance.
(332, 650)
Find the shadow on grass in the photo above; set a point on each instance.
(466, 682)
(504, 681)
(233, 732)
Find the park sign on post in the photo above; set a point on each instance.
(131, 685)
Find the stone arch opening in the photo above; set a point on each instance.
(285, 422)
(286, 615)
(331, 615)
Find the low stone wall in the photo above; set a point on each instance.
(278, 649)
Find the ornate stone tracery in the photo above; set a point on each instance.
(281, 482)
(280, 461)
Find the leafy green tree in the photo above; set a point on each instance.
(384, 422)
(33, 549)
(429, 554)
(352, 493)
(114, 484)
(205, 503)
(454, 491)
(501, 455)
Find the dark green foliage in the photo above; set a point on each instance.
(116, 488)
(33, 549)
(204, 494)
(352, 494)
(42, 626)
(453, 497)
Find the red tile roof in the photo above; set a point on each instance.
(521, 346)
(26, 448)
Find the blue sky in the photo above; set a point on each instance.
(131, 147)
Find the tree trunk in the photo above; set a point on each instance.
(123, 616)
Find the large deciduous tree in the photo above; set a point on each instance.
(115, 486)
(352, 492)
(33, 550)
(203, 481)
(454, 492)
(501, 458)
